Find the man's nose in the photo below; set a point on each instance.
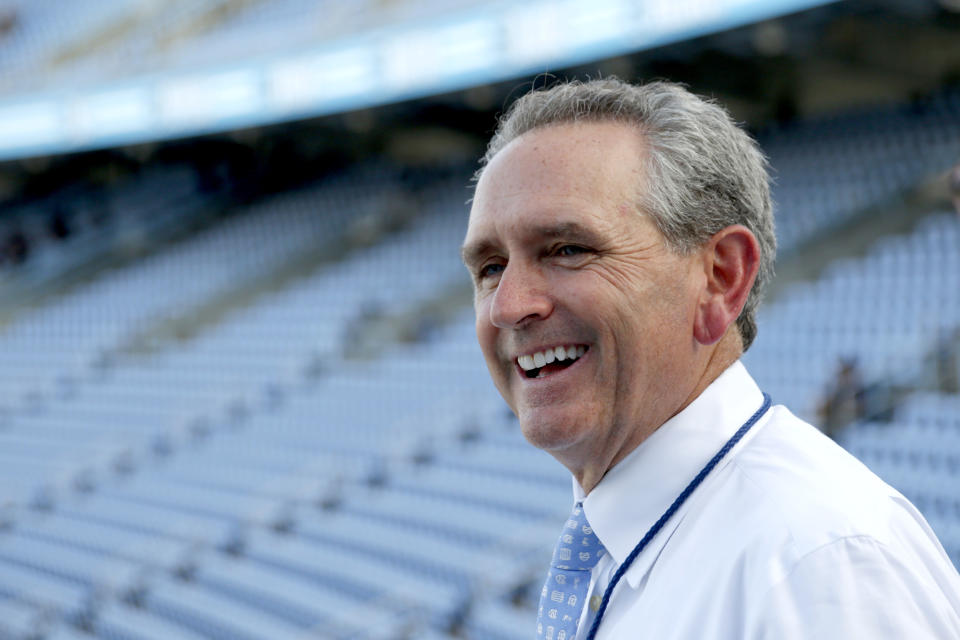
(521, 297)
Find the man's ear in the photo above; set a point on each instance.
(731, 259)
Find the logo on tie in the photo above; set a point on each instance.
(572, 570)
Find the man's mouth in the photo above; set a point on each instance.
(543, 363)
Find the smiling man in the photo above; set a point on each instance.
(619, 242)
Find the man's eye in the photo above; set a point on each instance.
(570, 250)
(489, 270)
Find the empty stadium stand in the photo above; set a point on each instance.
(885, 311)
(830, 169)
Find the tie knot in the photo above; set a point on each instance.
(579, 547)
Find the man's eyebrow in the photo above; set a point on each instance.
(569, 230)
(472, 252)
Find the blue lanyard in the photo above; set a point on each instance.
(672, 509)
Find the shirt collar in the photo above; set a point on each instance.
(636, 492)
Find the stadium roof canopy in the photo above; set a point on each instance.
(475, 45)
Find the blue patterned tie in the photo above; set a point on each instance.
(561, 601)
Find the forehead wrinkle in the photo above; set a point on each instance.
(517, 196)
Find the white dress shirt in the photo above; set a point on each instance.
(788, 537)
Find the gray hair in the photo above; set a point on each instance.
(704, 172)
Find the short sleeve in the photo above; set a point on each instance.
(857, 588)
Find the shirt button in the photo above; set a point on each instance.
(595, 603)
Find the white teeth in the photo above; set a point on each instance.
(556, 354)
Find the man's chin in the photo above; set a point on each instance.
(552, 431)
